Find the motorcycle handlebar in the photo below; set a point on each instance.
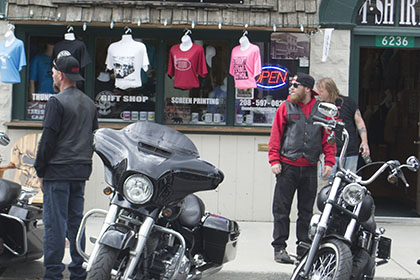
(396, 171)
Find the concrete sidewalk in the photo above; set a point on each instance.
(255, 254)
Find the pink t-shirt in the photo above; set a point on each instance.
(245, 65)
(186, 65)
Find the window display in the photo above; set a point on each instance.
(186, 63)
(283, 56)
(128, 92)
(245, 63)
(200, 82)
(201, 98)
(12, 57)
(127, 57)
(75, 47)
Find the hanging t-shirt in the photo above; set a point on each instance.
(127, 58)
(12, 59)
(184, 66)
(40, 71)
(245, 65)
(76, 48)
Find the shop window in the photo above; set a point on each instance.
(196, 86)
(40, 83)
(200, 99)
(285, 55)
(118, 96)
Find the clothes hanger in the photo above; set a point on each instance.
(186, 42)
(128, 31)
(69, 33)
(244, 41)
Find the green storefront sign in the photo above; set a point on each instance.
(395, 41)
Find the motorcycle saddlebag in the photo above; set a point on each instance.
(384, 248)
(220, 238)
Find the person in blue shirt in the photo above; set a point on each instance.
(40, 79)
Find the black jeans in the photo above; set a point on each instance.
(292, 178)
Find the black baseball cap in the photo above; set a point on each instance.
(306, 80)
(69, 66)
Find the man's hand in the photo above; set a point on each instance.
(276, 168)
(364, 148)
(326, 172)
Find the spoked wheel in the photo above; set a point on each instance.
(333, 261)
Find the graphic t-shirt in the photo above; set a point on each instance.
(74, 47)
(12, 59)
(40, 71)
(127, 58)
(184, 66)
(245, 65)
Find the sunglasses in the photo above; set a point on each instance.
(295, 85)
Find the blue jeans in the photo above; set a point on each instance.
(349, 162)
(62, 214)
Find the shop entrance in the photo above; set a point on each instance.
(389, 95)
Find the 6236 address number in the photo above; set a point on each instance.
(395, 41)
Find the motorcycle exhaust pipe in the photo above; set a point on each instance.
(204, 271)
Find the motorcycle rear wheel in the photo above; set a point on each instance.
(105, 261)
(333, 261)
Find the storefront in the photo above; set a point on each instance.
(385, 79)
(230, 123)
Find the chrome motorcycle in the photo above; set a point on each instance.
(156, 227)
(21, 229)
(346, 243)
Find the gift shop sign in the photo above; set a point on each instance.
(384, 12)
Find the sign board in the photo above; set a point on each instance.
(395, 41)
(272, 77)
(405, 13)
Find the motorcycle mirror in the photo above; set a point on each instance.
(327, 109)
(413, 163)
(4, 139)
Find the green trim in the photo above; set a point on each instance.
(338, 14)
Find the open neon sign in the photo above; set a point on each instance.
(272, 77)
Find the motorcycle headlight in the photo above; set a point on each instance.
(353, 194)
(138, 189)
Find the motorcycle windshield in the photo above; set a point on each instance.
(154, 150)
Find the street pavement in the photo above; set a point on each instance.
(254, 258)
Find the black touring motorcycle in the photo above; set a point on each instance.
(21, 230)
(156, 228)
(346, 244)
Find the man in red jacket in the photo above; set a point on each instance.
(294, 149)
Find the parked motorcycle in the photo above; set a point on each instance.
(21, 232)
(155, 227)
(346, 243)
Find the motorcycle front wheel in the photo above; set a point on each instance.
(105, 261)
(333, 261)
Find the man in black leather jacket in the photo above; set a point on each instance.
(64, 163)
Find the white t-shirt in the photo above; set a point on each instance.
(126, 58)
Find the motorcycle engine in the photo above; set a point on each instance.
(164, 267)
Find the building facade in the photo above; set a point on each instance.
(230, 126)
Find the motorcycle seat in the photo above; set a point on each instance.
(9, 193)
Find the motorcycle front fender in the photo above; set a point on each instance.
(118, 236)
